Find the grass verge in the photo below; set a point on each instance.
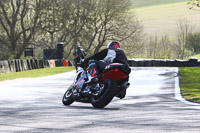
(35, 73)
(144, 3)
(197, 56)
(190, 83)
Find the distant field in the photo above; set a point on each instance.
(162, 20)
(142, 3)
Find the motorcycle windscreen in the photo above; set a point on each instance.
(115, 74)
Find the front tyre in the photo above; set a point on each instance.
(68, 97)
(106, 96)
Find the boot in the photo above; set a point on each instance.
(93, 70)
(122, 94)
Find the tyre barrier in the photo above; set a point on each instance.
(192, 62)
(65, 63)
(9, 66)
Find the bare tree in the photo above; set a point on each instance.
(88, 23)
(15, 22)
(184, 28)
(91, 24)
(108, 20)
(193, 4)
(160, 48)
(62, 20)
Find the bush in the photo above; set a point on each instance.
(193, 42)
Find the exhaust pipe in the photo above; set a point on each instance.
(125, 85)
(122, 92)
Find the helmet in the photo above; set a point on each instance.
(113, 45)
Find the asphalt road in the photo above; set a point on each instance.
(34, 105)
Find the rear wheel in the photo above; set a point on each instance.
(68, 97)
(106, 96)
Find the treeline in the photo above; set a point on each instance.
(182, 45)
(89, 23)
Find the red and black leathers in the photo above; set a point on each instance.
(111, 55)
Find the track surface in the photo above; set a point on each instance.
(34, 105)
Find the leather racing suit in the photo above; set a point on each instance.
(98, 61)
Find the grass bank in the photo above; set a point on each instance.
(197, 56)
(35, 73)
(144, 3)
(162, 19)
(190, 83)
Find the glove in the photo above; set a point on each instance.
(77, 59)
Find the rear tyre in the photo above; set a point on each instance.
(105, 97)
(68, 97)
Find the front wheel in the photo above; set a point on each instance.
(68, 97)
(106, 96)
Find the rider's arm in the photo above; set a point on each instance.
(98, 56)
(121, 57)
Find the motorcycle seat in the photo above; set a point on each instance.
(122, 67)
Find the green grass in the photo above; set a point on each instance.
(35, 73)
(190, 83)
(197, 56)
(144, 3)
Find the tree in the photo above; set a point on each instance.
(15, 24)
(89, 23)
(184, 28)
(193, 42)
(108, 20)
(193, 4)
(111, 22)
(160, 48)
(62, 20)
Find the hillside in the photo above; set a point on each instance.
(143, 3)
(162, 19)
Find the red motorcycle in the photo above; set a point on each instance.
(97, 91)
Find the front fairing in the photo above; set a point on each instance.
(80, 78)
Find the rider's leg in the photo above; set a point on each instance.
(122, 94)
(101, 65)
(93, 69)
(96, 67)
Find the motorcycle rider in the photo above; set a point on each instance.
(98, 61)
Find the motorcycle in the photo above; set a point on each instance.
(113, 81)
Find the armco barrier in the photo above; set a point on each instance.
(9, 66)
